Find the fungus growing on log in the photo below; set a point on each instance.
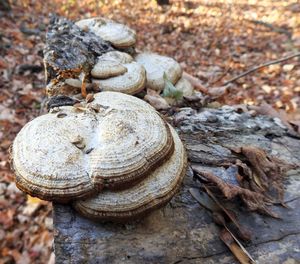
(116, 71)
(156, 66)
(131, 82)
(110, 64)
(101, 61)
(156, 190)
(113, 143)
(119, 35)
(69, 53)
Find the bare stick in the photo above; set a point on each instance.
(261, 66)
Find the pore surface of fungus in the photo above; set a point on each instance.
(154, 191)
(113, 142)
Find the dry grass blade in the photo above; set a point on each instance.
(243, 233)
(235, 247)
(203, 199)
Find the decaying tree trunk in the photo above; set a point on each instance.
(183, 231)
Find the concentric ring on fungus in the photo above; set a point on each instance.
(130, 82)
(73, 153)
(151, 193)
(119, 35)
(156, 66)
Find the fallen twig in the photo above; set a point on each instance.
(261, 66)
(272, 27)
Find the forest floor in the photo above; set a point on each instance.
(213, 41)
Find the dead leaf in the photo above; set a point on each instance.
(253, 200)
(269, 171)
(89, 98)
(6, 218)
(153, 98)
(32, 205)
(195, 82)
(217, 92)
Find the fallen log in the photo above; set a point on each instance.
(182, 231)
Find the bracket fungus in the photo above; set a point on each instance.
(115, 144)
(156, 66)
(116, 71)
(112, 156)
(119, 35)
(156, 190)
(102, 61)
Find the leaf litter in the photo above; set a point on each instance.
(222, 44)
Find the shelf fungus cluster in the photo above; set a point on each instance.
(115, 158)
(76, 63)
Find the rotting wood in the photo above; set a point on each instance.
(183, 232)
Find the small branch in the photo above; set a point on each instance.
(261, 66)
(220, 77)
(272, 27)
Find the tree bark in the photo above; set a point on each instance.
(182, 231)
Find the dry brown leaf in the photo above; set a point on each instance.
(195, 82)
(158, 102)
(89, 98)
(217, 92)
(268, 171)
(253, 200)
